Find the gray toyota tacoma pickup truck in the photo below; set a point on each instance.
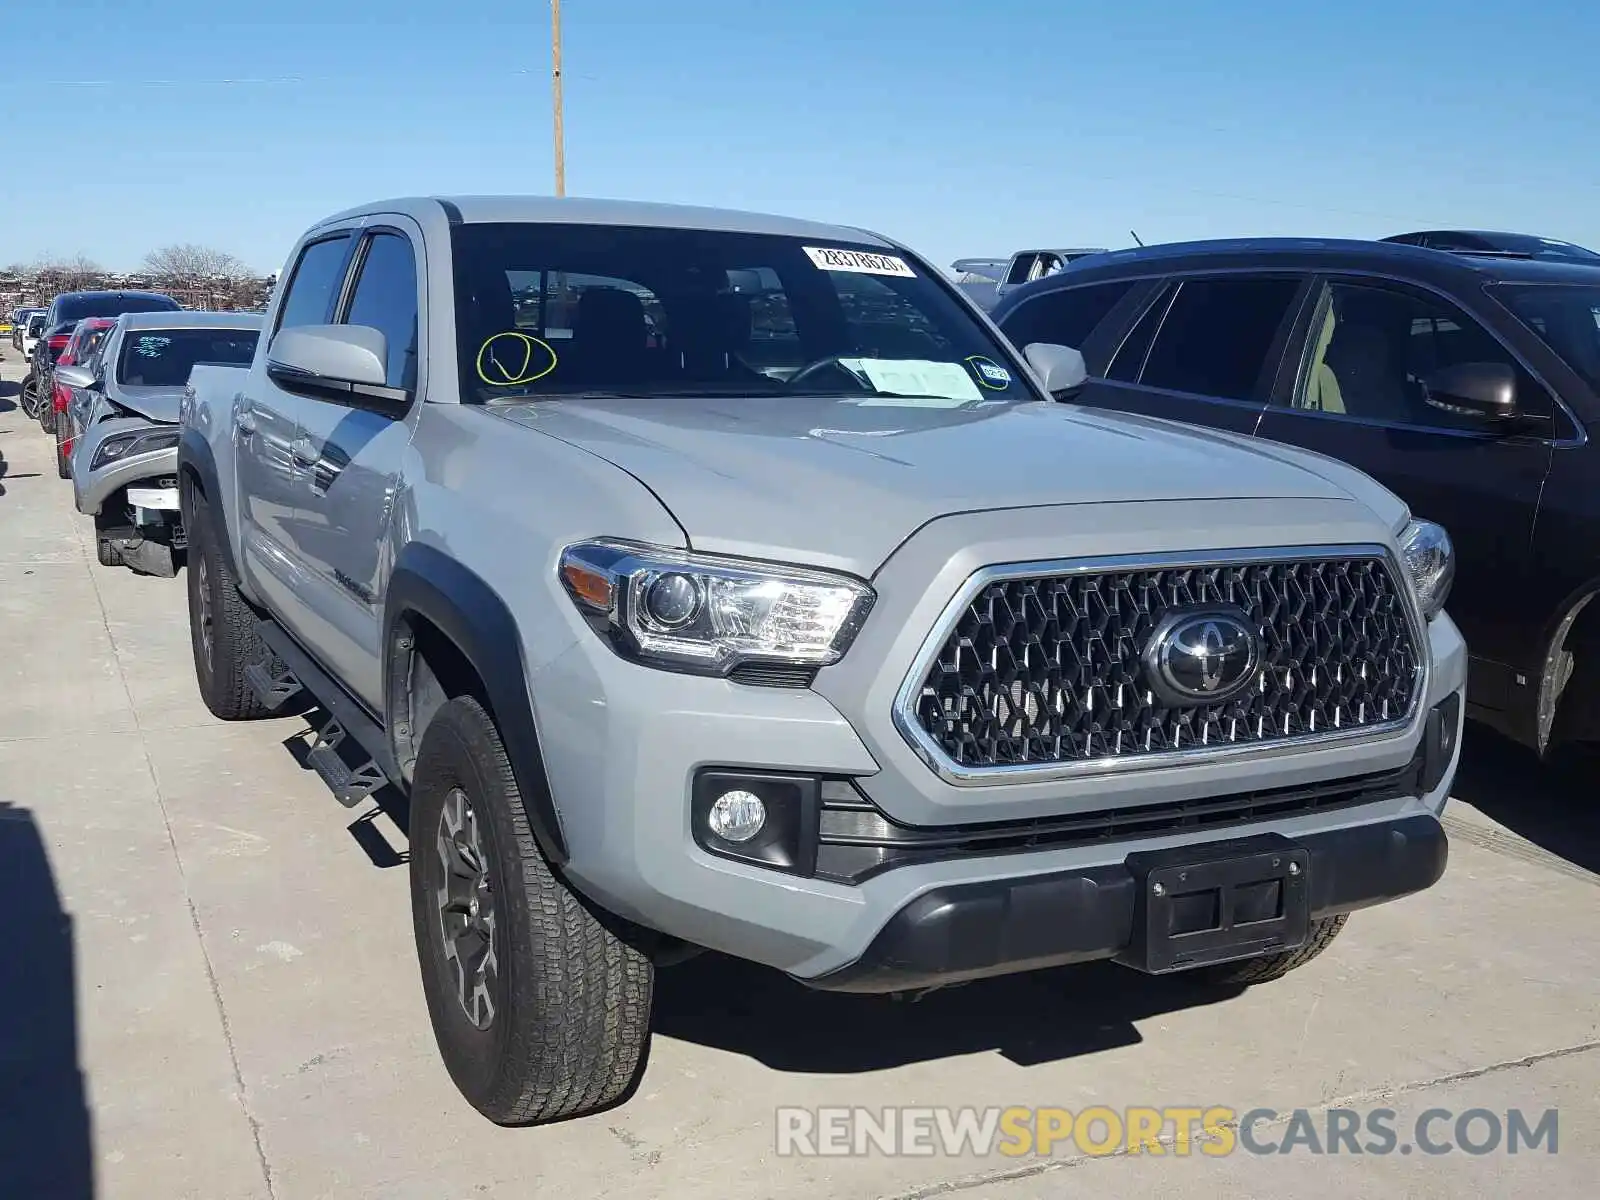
(717, 581)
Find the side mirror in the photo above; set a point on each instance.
(76, 377)
(1060, 368)
(342, 363)
(1484, 389)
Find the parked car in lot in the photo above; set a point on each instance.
(866, 662)
(82, 347)
(124, 469)
(1467, 384)
(30, 334)
(1027, 265)
(1511, 245)
(64, 313)
(20, 319)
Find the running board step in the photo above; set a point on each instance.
(272, 682)
(348, 721)
(350, 786)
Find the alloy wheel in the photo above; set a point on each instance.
(465, 898)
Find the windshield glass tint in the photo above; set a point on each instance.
(556, 310)
(79, 307)
(164, 357)
(1567, 318)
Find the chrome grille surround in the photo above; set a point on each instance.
(1191, 578)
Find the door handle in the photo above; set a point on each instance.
(304, 452)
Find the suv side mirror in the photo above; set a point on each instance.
(1061, 368)
(1482, 389)
(342, 363)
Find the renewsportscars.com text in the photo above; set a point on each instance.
(1214, 1131)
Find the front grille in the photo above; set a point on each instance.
(1046, 668)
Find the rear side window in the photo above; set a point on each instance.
(314, 284)
(1066, 317)
(1217, 335)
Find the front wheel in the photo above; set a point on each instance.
(222, 626)
(539, 1009)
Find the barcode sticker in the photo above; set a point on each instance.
(830, 258)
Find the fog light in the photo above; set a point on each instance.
(737, 816)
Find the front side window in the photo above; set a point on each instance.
(1565, 316)
(385, 297)
(164, 357)
(1066, 317)
(1373, 348)
(1217, 334)
(564, 310)
(314, 284)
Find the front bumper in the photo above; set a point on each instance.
(92, 489)
(969, 931)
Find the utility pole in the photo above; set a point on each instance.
(555, 79)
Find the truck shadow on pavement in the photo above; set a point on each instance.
(1551, 805)
(45, 1137)
(1030, 1019)
(9, 391)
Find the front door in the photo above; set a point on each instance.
(351, 463)
(1205, 351)
(1359, 397)
(267, 426)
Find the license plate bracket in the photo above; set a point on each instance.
(1199, 905)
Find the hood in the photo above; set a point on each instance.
(839, 482)
(157, 403)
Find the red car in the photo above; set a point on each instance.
(80, 349)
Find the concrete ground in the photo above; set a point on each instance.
(213, 991)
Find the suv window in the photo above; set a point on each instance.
(1217, 335)
(385, 298)
(1373, 347)
(69, 309)
(314, 283)
(1066, 317)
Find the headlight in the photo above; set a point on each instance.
(126, 445)
(1430, 562)
(704, 615)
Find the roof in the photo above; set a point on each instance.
(473, 210)
(192, 319)
(1326, 253)
(108, 292)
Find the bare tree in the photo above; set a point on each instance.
(191, 264)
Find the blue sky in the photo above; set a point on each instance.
(962, 128)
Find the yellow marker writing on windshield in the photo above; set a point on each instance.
(498, 365)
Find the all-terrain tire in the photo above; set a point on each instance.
(215, 603)
(569, 1033)
(1275, 966)
(63, 432)
(106, 551)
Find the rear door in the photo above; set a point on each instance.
(1357, 395)
(351, 466)
(1205, 350)
(267, 421)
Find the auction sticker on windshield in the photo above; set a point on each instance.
(830, 258)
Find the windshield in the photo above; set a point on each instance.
(76, 308)
(164, 357)
(551, 310)
(1566, 317)
(35, 325)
